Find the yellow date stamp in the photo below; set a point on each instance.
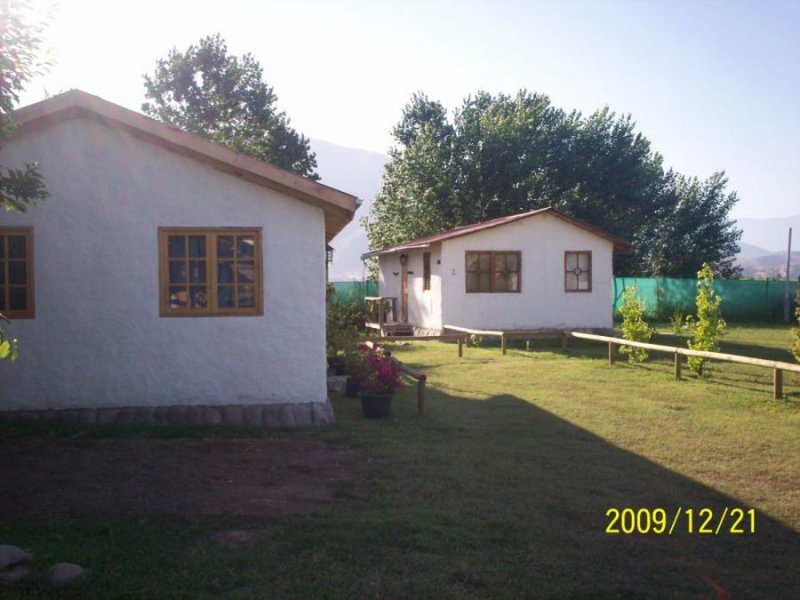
(702, 521)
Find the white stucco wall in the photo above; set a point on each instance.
(98, 340)
(542, 302)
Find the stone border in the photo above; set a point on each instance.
(246, 415)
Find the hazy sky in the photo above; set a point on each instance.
(713, 85)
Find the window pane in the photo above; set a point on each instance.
(16, 246)
(513, 282)
(225, 246)
(583, 281)
(245, 246)
(485, 262)
(176, 246)
(246, 272)
(2, 272)
(16, 273)
(500, 282)
(499, 262)
(247, 296)
(197, 246)
(2, 299)
(197, 271)
(472, 262)
(177, 271)
(17, 299)
(225, 272)
(2, 247)
(225, 297)
(177, 297)
(472, 282)
(572, 282)
(483, 282)
(572, 261)
(512, 262)
(583, 261)
(198, 296)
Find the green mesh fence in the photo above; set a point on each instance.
(354, 291)
(742, 300)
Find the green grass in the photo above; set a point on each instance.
(501, 491)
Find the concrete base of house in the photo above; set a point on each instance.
(247, 415)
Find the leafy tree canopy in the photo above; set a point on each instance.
(20, 51)
(224, 98)
(502, 155)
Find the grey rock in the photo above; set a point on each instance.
(176, 415)
(302, 415)
(64, 574)
(12, 555)
(160, 414)
(125, 416)
(144, 414)
(213, 415)
(87, 416)
(285, 416)
(233, 415)
(271, 416)
(106, 416)
(253, 416)
(13, 574)
(194, 415)
(337, 383)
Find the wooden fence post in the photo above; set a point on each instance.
(677, 365)
(612, 350)
(461, 347)
(421, 396)
(504, 343)
(564, 342)
(777, 384)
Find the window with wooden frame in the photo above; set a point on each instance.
(426, 271)
(210, 272)
(578, 271)
(16, 272)
(493, 272)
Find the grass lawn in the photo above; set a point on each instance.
(502, 490)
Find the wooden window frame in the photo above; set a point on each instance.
(30, 310)
(211, 310)
(426, 271)
(577, 291)
(492, 271)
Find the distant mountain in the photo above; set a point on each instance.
(770, 266)
(357, 172)
(771, 233)
(749, 251)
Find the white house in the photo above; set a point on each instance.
(167, 278)
(536, 271)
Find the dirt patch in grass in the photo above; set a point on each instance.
(189, 480)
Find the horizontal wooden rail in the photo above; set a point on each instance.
(501, 334)
(777, 366)
(461, 339)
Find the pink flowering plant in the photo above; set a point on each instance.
(377, 372)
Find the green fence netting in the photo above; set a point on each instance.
(354, 291)
(742, 299)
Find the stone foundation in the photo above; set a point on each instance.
(247, 415)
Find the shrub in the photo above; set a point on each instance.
(796, 330)
(634, 327)
(709, 325)
(677, 322)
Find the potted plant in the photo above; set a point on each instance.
(343, 320)
(378, 381)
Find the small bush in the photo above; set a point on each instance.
(796, 330)
(677, 322)
(634, 327)
(709, 325)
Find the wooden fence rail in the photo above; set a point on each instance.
(778, 367)
(421, 378)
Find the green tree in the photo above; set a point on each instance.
(224, 98)
(709, 325)
(634, 327)
(501, 155)
(20, 51)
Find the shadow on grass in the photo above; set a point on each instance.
(527, 495)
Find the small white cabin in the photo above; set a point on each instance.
(167, 278)
(536, 271)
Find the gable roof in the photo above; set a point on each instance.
(426, 242)
(338, 206)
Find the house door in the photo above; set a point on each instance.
(404, 288)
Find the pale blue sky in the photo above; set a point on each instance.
(713, 85)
